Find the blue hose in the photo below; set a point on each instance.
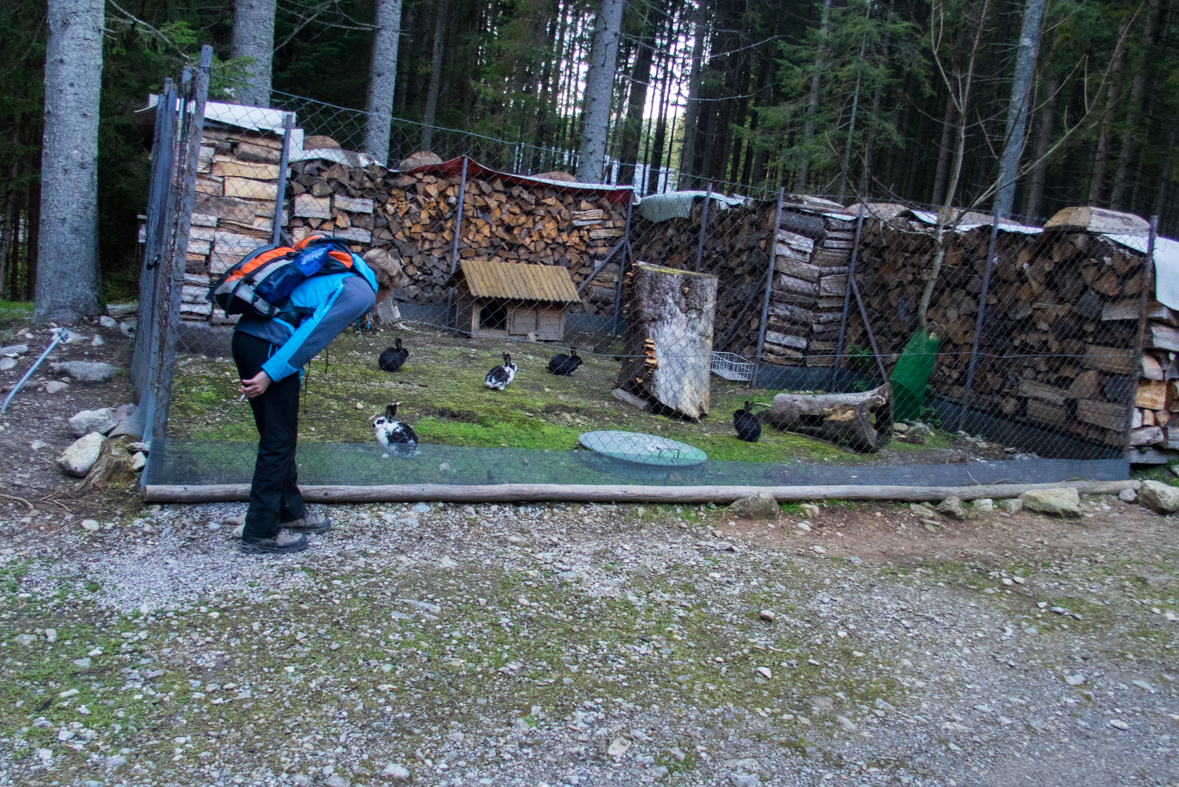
(60, 335)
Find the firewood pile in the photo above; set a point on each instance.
(1059, 342)
(414, 214)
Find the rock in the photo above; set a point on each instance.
(138, 461)
(395, 772)
(239, 531)
(14, 349)
(953, 507)
(51, 635)
(108, 322)
(422, 508)
(97, 341)
(419, 159)
(818, 550)
(112, 467)
(810, 510)
(86, 371)
(766, 615)
(139, 448)
(1063, 501)
(823, 704)
(764, 506)
(1118, 724)
(81, 455)
(53, 386)
(24, 639)
(73, 337)
(82, 663)
(1128, 495)
(115, 761)
(91, 525)
(618, 747)
(37, 445)
(846, 723)
(88, 421)
(1012, 505)
(984, 506)
(336, 780)
(128, 327)
(745, 779)
(803, 526)
(1159, 498)
(765, 672)
(121, 310)
(1074, 680)
(7, 363)
(659, 772)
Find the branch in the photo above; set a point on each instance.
(134, 20)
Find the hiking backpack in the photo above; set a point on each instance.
(263, 281)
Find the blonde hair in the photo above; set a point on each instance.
(390, 275)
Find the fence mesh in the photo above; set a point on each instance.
(566, 333)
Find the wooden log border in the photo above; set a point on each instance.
(533, 493)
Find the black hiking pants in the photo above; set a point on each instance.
(274, 492)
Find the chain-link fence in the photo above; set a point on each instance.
(547, 331)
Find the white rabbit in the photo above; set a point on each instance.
(501, 377)
(395, 436)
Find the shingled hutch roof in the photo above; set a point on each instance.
(512, 299)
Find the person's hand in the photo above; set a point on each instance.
(256, 385)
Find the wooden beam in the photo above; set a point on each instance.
(531, 493)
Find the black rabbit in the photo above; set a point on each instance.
(565, 364)
(746, 423)
(501, 377)
(393, 358)
(396, 437)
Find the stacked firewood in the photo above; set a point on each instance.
(811, 254)
(1059, 343)
(237, 181)
(415, 215)
(736, 250)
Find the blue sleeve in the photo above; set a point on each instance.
(345, 304)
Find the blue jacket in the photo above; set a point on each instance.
(318, 310)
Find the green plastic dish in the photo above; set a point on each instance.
(642, 449)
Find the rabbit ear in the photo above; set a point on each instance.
(391, 411)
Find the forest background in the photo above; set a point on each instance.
(895, 100)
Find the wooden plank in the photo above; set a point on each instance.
(1047, 393)
(797, 268)
(353, 204)
(1151, 395)
(311, 207)
(1147, 435)
(242, 169)
(251, 189)
(491, 493)
(1162, 337)
(783, 340)
(790, 284)
(1111, 359)
(1107, 415)
(797, 246)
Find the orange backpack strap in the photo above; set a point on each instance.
(342, 257)
(259, 261)
(300, 245)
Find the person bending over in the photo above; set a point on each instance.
(270, 354)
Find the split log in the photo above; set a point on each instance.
(838, 418)
(669, 345)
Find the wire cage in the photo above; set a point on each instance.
(732, 367)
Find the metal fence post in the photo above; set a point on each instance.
(978, 322)
(288, 124)
(851, 273)
(624, 259)
(1143, 299)
(172, 277)
(703, 228)
(765, 304)
(458, 224)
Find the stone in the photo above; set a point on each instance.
(818, 550)
(952, 506)
(108, 322)
(745, 779)
(823, 704)
(121, 310)
(112, 467)
(846, 723)
(984, 506)
(336, 780)
(1075, 680)
(1158, 497)
(618, 747)
(1063, 501)
(766, 615)
(1174, 469)
(51, 635)
(1118, 724)
(803, 526)
(73, 337)
(14, 349)
(764, 506)
(37, 445)
(53, 386)
(7, 363)
(97, 341)
(810, 510)
(86, 371)
(91, 525)
(422, 508)
(1012, 505)
(765, 672)
(81, 455)
(1128, 495)
(24, 639)
(128, 327)
(395, 772)
(88, 421)
(138, 461)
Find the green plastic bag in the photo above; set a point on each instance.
(910, 376)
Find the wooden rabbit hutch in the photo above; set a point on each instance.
(512, 299)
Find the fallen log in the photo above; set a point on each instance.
(845, 418)
(584, 493)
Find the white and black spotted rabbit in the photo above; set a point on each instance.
(396, 437)
(501, 377)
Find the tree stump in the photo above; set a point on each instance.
(838, 418)
(668, 355)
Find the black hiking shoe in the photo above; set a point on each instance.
(308, 523)
(281, 544)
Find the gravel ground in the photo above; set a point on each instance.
(590, 645)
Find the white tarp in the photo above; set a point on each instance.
(1166, 265)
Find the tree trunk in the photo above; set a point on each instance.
(943, 153)
(808, 132)
(1097, 183)
(692, 107)
(640, 75)
(1137, 93)
(68, 282)
(668, 355)
(1035, 194)
(599, 89)
(253, 37)
(838, 418)
(382, 79)
(1019, 107)
(428, 118)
